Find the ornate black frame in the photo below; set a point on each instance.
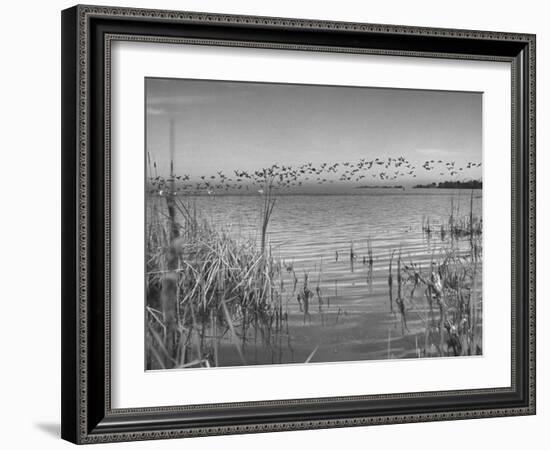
(87, 31)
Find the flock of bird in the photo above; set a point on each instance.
(280, 176)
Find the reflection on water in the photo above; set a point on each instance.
(343, 245)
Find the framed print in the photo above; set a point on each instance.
(281, 224)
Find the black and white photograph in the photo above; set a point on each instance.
(303, 224)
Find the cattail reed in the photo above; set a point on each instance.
(399, 299)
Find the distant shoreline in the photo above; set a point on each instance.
(379, 187)
(474, 184)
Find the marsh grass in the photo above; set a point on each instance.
(222, 288)
(452, 321)
(445, 295)
(456, 226)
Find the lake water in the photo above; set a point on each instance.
(314, 235)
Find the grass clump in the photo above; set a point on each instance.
(445, 296)
(203, 289)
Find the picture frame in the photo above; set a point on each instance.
(88, 33)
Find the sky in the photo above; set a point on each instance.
(227, 126)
